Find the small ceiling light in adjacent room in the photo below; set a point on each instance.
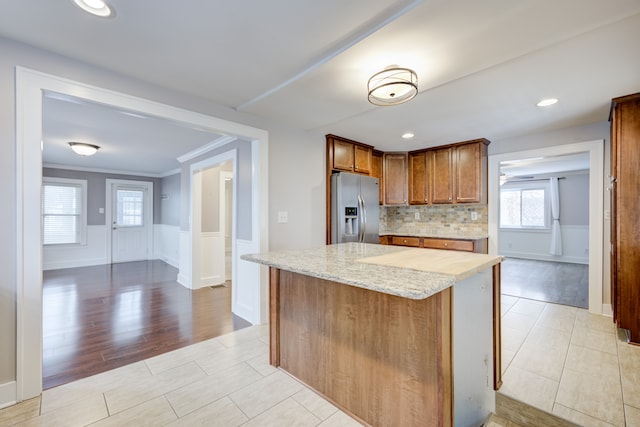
(408, 135)
(95, 7)
(547, 102)
(392, 86)
(84, 149)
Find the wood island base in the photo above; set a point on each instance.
(389, 360)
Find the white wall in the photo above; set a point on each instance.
(536, 244)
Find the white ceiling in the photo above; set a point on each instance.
(545, 165)
(482, 66)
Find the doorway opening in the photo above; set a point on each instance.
(30, 86)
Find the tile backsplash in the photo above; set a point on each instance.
(434, 219)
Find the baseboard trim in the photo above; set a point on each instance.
(8, 394)
(73, 264)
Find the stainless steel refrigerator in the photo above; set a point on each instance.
(354, 208)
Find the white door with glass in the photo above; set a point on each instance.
(130, 222)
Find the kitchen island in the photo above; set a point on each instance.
(393, 336)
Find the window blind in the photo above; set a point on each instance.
(62, 213)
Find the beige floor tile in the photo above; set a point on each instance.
(80, 413)
(265, 393)
(518, 321)
(545, 361)
(629, 356)
(593, 394)
(20, 412)
(183, 355)
(551, 338)
(136, 393)
(593, 362)
(156, 412)
(340, 419)
(512, 338)
(286, 413)
(507, 358)
(528, 307)
(317, 405)
(229, 357)
(508, 299)
(558, 317)
(67, 394)
(261, 364)
(211, 388)
(221, 413)
(252, 333)
(632, 416)
(631, 386)
(529, 388)
(595, 321)
(594, 339)
(578, 417)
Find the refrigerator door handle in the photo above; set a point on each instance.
(364, 219)
(360, 223)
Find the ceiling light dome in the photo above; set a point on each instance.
(84, 149)
(95, 7)
(392, 86)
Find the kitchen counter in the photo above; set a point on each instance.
(394, 336)
(408, 273)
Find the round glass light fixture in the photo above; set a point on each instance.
(95, 7)
(392, 86)
(84, 149)
(547, 102)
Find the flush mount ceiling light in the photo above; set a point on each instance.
(392, 86)
(95, 7)
(547, 102)
(84, 149)
(408, 135)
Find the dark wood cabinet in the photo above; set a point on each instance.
(418, 178)
(442, 175)
(465, 245)
(350, 156)
(376, 171)
(625, 221)
(394, 174)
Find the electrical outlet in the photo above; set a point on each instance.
(416, 215)
(283, 217)
(474, 216)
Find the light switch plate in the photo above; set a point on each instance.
(283, 217)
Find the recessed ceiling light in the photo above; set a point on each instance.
(95, 7)
(408, 135)
(547, 102)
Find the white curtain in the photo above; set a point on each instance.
(556, 238)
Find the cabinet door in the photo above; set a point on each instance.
(362, 163)
(468, 169)
(343, 155)
(442, 175)
(395, 179)
(418, 179)
(376, 172)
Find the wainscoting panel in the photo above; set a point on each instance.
(184, 266)
(166, 244)
(211, 259)
(246, 289)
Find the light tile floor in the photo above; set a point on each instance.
(225, 381)
(570, 363)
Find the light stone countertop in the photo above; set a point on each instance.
(393, 270)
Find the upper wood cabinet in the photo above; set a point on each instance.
(350, 156)
(442, 175)
(395, 178)
(376, 172)
(418, 178)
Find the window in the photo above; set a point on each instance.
(63, 211)
(129, 212)
(524, 207)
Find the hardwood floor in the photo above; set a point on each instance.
(102, 317)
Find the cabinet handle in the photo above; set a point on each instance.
(446, 244)
(404, 241)
(449, 198)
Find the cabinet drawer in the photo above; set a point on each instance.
(456, 245)
(405, 241)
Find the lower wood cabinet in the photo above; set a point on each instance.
(468, 245)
